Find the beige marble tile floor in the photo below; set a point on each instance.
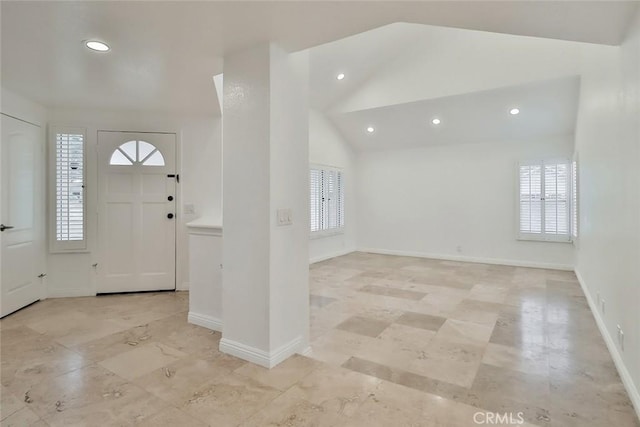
(396, 342)
(496, 338)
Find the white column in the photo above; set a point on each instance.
(265, 170)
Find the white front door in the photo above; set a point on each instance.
(136, 211)
(21, 214)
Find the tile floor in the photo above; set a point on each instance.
(503, 339)
(396, 342)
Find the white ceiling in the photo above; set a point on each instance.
(548, 108)
(438, 62)
(165, 53)
(466, 78)
(359, 57)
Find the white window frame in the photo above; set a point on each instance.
(543, 236)
(62, 246)
(335, 230)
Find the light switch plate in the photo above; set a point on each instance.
(284, 217)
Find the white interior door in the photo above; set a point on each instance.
(137, 211)
(21, 214)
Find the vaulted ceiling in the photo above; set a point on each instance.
(164, 53)
(467, 79)
(546, 108)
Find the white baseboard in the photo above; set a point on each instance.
(205, 321)
(70, 293)
(331, 255)
(632, 389)
(306, 352)
(261, 357)
(464, 258)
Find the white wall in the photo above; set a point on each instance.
(327, 147)
(454, 201)
(22, 108)
(199, 165)
(608, 150)
(246, 231)
(289, 259)
(265, 275)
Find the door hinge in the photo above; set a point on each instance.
(42, 275)
(174, 175)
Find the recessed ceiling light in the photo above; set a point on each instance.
(97, 46)
(435, 121)
(370, 129)
(340, 76)
(514, 111)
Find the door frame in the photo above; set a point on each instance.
(178, 197)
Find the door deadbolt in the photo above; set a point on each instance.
(170, 215)
(170, 198)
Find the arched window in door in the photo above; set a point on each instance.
(137, 152)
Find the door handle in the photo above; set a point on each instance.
(5, 227)
(170, 215)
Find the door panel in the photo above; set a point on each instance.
(21, 247)
(136, 236)
(118, 218)
(153, 219)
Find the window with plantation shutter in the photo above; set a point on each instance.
(574, 199)
(531, 199)
(69, 196)
(545, 201)
(315, 199)
(326, 200)
(340, 205)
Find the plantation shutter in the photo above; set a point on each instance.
(340, 203)
(556, 186)
(574, 198)
(326, 199)
(315, 199)
(332, 199)
(69, 227)
(544, 201)
(530, 199)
